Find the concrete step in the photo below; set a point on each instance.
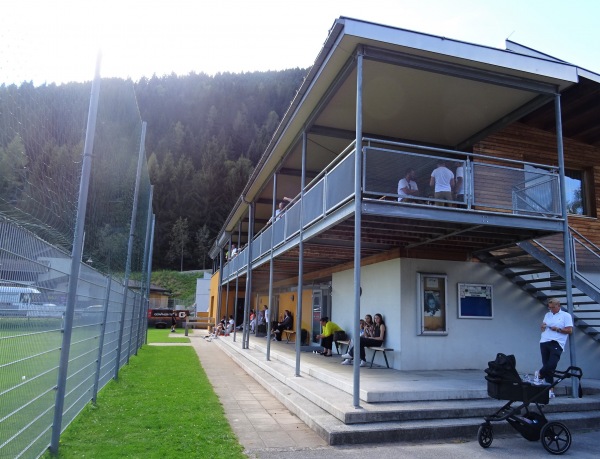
(329, 410)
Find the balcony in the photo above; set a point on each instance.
(505, 201)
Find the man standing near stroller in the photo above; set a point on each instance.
(556, 328)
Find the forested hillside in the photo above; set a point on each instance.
(204, 135)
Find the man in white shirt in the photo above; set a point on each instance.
(407, 186)
(442, 179)
(556, 328)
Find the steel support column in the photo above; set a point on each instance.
(246, 334)
(237, 286)
(566, 235)
(300, 256)
(273, 205)
(357, 224)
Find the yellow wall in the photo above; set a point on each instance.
(285, 302)
(227, 302)
(214, 289)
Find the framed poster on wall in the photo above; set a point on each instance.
(475, 301)
(432, 303)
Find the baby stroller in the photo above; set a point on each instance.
(504, 383)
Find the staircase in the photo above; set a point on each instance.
(537, 266)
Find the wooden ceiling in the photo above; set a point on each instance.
(580, 108)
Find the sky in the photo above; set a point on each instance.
(57, 41)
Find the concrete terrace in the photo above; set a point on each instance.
(395, 405)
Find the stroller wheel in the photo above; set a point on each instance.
(485, 435)
(556, 438)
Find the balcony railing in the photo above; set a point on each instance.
(491, 184)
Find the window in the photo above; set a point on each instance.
(576, 192)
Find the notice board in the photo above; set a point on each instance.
(475, 301)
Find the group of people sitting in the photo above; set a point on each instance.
(446, 185)
(224, 327)
(372, 333)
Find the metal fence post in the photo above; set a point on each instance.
(86, 169)
(144, 287)
(151, 251)
(130, 247)
(101, 340)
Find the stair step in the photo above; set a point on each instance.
(511, 274)
(536, 281)
(329, 411)
(529, 262)
(505, 256)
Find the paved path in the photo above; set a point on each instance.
(261, 423)
(267, 430)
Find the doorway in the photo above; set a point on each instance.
(321, 307)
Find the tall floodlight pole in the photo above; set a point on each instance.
(77, 251)
(130, 249)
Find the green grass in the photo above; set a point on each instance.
(162, 406)
(162, 336)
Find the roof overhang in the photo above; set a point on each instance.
(417, 87)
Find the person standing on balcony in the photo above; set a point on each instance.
(442, 181)
(407, 186)
(282, 205)
(459, 187)
(556, 328)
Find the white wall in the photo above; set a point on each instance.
(202, 294)
(390, 288)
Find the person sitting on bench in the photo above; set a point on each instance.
(376, 339)
(285, 324)
(327, 330)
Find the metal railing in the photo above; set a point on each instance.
(491, 184)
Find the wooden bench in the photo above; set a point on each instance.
(287, 334)
(340, 343)
(379, 349)
(200, 322)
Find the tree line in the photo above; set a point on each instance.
(204, 136)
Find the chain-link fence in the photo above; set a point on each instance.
(75, 227)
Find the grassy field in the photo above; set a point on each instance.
(162, 406)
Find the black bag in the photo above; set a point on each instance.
(261, 330)
(339, 335)
(503, 369)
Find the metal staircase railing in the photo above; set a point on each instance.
(537, 266)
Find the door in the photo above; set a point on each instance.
(321, 306)
(317, 298)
